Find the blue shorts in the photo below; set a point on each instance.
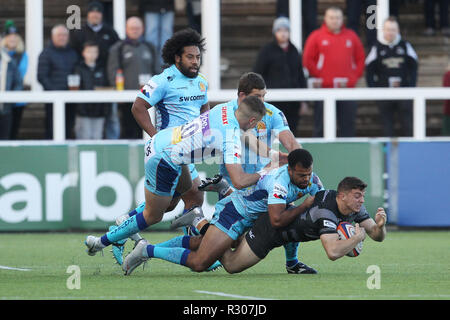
(161, 177)
(228, 219)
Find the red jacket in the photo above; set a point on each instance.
(327, 56)
(446, 83)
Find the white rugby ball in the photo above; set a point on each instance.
(347, 230)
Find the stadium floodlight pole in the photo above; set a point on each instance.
(211, 32)
(119, 17)
(34, 39)
(382, 13)
(295, 19)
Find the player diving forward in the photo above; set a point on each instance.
(318, 222)
(329, 208)
(236, 213)
(167, 154)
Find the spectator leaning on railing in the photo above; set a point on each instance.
(335, 55)
(280, 64)
(55, 63)
(392, 62)
(136, 60)
(10, 79)
(90, 117)
(14, 46)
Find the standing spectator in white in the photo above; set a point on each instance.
(392, 62)
(14, 46)
(158, 17)
(137, 59)
(9, 80)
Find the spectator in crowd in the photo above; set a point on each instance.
(55, 63)
(158, 17)
(309, 14)
(392, 62)
(14, 46)
(137, 60)
(107, 11)
(430, 20)
(280, 64)
(103, 34)
(354, 8)
(90, 117)
(446, 120)
(194, 14)
(335, 55)
(10, 79)
(94, 30)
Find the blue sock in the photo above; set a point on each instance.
(290, 250)
(174, 255)
(177, 242)
(130, 226)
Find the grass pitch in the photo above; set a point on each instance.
(412, 264)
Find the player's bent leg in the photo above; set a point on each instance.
(240, 259)
(154, 213)
(213, 245)
(193, 197)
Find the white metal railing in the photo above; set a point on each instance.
(328, 96)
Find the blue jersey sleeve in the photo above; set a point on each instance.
(279, 122)
(278, 191)
(154, 91)
(232, 148)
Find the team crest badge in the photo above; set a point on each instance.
(201, 86)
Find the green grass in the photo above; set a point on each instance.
(414, 265)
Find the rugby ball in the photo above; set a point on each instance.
(347, 230)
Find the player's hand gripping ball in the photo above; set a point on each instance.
(347, 230)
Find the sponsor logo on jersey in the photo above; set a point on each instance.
(224, 115)
(279, 192)
(202, 86)
(192, 98)
(279, 196)
(329, 224)
(269, 112)
(261, 126)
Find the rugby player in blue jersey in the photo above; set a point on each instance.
(273, 125)
(216, 133)
(179, 95)
(236, 214)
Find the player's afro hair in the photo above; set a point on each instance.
(179, 40)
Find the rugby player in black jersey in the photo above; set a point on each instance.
(320, 221)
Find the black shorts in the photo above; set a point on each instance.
(262, 237)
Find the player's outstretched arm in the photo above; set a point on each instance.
(239, 178)
(288, 140)
(262, 149)
(336, 248)
(140, 112)
(376, 229)
(281, 217)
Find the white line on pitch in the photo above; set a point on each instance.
(222, 294)
(11, 268)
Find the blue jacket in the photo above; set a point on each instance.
(54, 65)
(13, 82)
